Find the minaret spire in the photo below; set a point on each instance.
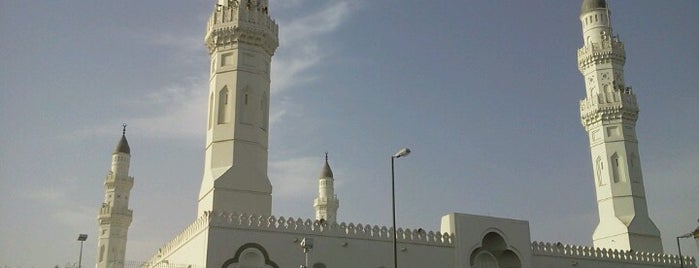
(114, 216)
(609, 113)
(326, 204)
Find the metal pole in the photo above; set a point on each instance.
(80, 259)
(679, 250)
(393, 202)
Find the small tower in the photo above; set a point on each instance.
(609, 113)
(115, 216)
(241, 38)
(326, 204)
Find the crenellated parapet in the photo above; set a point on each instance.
(609, 106)
(614, 255)
(310, 227)
(190, 231)
(610, 50)
(298, 226)
(242, 21)
(113, 180)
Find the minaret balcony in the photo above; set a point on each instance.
(605, 51)
(250, 24)
(609, 106)
(114, 179)
(107, 211)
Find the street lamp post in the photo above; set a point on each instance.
(679, 248)
(81, 238)
(306, 245)
(399, 154)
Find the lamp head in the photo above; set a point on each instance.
(82, 237)
(401, 153)
(688, 235)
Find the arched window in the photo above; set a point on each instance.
(101, 254)
(318, 265)
(599, 166)
(211, 110)
(616, 167)
(264, 104)
(223, 116)
(244, 109)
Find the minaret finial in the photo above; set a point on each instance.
(123, 130)
(326, 157)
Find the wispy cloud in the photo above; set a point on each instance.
(64, 209)
(178, 110)
(299, 38)
(294, 177)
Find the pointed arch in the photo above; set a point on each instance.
(599, 167)
(101, 258)
(244, 106)
(264, 107)
(223, 106)
(616, 168)
(211, 110)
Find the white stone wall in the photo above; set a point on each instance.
(239, 240)
(559, 255)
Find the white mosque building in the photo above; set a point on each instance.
(235, 228)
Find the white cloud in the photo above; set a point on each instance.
(299, 39)
(179, 110)
(294, 177)
(175, 111)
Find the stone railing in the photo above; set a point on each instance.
(601, 52)
(617, 103)
(245, 20)
(599, 254)
(310, 227)
(297, 226)
(164, 264)
(106, 210)
(198, 226)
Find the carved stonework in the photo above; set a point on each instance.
(250, 255)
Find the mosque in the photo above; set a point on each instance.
(235, 228)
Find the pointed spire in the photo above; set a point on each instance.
(123, 145)
(326, 172)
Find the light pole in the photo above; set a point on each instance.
(81, 238)
(399, 154)
(679, 248)
(306, 245)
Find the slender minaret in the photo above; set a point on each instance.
(326, 204)
(241, 38)
(115, 216)
(609, 113)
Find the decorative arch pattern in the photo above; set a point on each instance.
(250, 255)
(494, 252)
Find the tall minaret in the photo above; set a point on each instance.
(326, 203)
(115, 216)
(609, 113)
(241, 38)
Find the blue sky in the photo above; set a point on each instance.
(485, 93)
